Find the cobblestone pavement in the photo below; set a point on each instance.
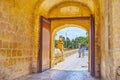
(73, 68)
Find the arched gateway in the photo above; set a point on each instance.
(45, 39)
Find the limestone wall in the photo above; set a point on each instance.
(110, 59)
(19, 43)
(16, 37)
(115, 36)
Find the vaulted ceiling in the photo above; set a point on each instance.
(52, 8)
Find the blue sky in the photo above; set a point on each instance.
(72, 32)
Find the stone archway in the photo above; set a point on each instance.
(20, 28)
(58, 28)
(45, 11)
(92, 46)
(91, 31)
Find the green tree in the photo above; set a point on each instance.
(72, 44)
(68, 42)
(56, 42)
(64, 42)
(82, 40)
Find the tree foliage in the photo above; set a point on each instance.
(74, 42)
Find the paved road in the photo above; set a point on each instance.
(73, 68)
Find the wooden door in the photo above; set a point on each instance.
(92, 46)
(44, 44)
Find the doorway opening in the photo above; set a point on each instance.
(74, 39)
(47, 33)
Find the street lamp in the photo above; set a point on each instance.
(66, 38)
(76, 41)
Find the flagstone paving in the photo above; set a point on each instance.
(72, 68)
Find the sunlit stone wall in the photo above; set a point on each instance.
(16, 38)
(110, 34)
(19, 43)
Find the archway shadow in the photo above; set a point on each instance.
(54, 74)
